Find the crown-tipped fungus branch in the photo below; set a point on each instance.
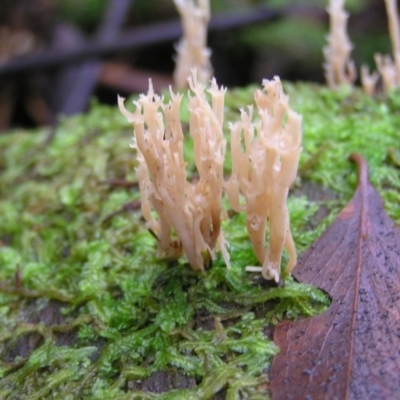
(368, 80)
(191, 211)
(263, 172)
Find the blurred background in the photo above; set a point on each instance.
(56, 55)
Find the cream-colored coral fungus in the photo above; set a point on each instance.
(394, 31)
(339, 68)
(187, 214)
(389, 70)
(265, 158)
(192, 49)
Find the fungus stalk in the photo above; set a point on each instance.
(339, 68)
(189, 211)
(192, 49)
(388, 69)
(392, 12)
(264, 165)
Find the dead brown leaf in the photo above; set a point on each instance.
(352, 351)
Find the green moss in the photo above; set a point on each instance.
(88, 310)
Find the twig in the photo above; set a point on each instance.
(134, 205)
(122, 77)
(23, 292)
(79, 80)
(133, 39)
(120, 183)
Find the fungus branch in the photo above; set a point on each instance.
(339, 68)
(191, 211)
(389, 70)
(192, 49)
(263, 172)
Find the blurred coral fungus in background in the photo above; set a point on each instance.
(55, 56)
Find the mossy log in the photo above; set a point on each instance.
(87, 309)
